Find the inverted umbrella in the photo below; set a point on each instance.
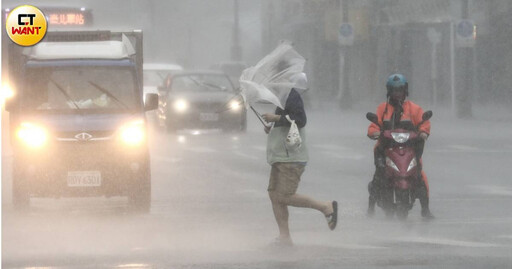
(271, 79)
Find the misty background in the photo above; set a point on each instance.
(417, 38)
(210, 207)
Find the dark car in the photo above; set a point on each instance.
(201, 99)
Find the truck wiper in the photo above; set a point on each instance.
(65, 94)
(105, 91)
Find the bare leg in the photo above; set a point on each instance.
(299, 200)
(281, 216)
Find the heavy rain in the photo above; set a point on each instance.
(133, 135)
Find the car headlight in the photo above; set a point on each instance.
(180, 105)
(32, 135)
(412, 164)
(235, 105)
(400, 137)
(389, 162)
(133, 133)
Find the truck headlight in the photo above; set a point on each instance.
(32, 135)
(7, 92)
(180, 105)
(133, 133)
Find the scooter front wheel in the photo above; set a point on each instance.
(402, 211)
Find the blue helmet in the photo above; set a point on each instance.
(397, 81)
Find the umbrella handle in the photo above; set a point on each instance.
(260, 118)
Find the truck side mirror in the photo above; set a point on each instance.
(427, 115)
(151, 102)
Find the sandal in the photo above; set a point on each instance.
(332, 219)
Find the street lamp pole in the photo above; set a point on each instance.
(464, 88)
(346, 96)
(236, 49)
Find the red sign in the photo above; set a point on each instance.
(66, 19)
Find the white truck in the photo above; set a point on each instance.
(77, 121)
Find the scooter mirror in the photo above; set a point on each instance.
(427, 115)
(372, 117)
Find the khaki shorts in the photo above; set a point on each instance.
(285, 177)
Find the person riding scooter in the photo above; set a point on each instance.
(396, 112)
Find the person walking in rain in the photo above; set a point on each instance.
(288, 164)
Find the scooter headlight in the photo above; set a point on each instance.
(133, 133)
(390, 163)
(400, 137)
(32, 135)
(412, 164)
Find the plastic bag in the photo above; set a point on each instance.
(293, 139)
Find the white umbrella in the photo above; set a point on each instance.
(272, 78)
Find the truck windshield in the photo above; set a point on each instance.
(89, 88)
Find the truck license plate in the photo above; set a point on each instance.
(209, 117)
(84, 178)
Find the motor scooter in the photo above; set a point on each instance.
(402, 172)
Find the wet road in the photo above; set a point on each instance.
(210, 207)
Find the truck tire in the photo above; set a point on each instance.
(139, 197)
(20, 192)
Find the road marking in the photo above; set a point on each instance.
(165, 159)
(493, 190)
(465, 148)
(330, 147)
(472, 151)
(252, 193)
(447, 242)
(475, 221)
(506, 236)
(348, 155)
(252, 157)
(201, 150)
(260, 148)
(351, 246)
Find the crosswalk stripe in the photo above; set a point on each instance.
(447, 242)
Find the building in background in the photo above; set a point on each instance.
(416, 37)
(454, 53)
